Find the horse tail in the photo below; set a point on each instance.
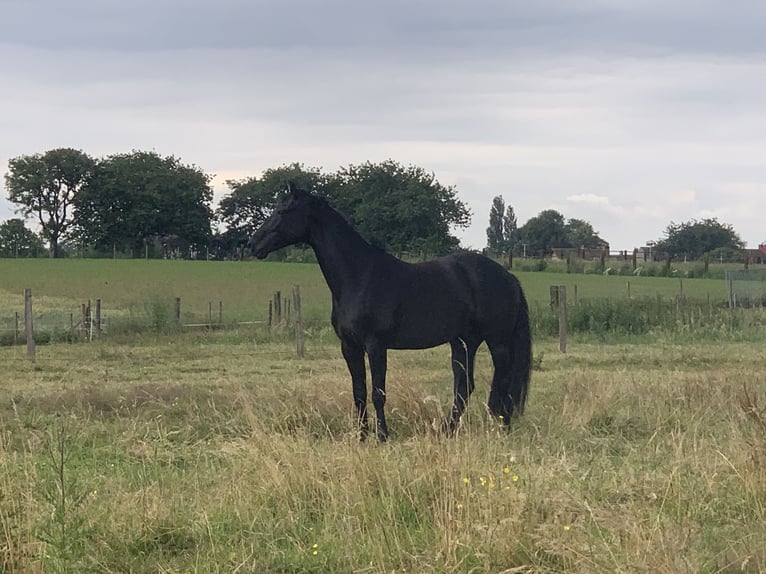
(521, 343)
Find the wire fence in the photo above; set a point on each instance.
(746, 287)
(89, 322)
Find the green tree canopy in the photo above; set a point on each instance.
(251, 200)
(45, 186)
(580, 233)
(511, 230)
(544, 232)
(502, 233)
(399, 207)
(140, 197)
(695, 238)
(16, 240)
(495, 238)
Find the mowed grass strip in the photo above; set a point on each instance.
(187, 454)
(145, 290)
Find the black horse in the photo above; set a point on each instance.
(380, 302)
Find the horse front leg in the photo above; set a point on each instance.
(354, 355)
(378, 361)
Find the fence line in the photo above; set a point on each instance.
(92, 324)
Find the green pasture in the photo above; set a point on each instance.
(221, 451)
(192, 453)
(140, 289)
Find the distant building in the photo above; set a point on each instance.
(755, 255)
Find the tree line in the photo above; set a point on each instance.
(144, 204)
(549, 230)
(148, 205)
(539, 235)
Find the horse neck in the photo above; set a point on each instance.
(343, 255)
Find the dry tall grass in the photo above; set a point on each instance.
(195, 455)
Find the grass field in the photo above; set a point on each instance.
(222, 452)
(197, 454)
(139, 289)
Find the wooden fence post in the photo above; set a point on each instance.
(16, 330)
(299, 339)
(97, 323)
(558, 295)
(83, 321)
(209, 315)
(562, 300)
(28, 325)
(220, 313)
(271, 313)
(178, 312)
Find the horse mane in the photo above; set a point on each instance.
(323, 202)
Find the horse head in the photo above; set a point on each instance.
(288, 223)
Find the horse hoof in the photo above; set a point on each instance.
(448, 428)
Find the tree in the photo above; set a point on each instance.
(252, 199)
(16, 240)
(45, 185)
(502, 233)
(495, 235)
(140, 198)
(544, 232)
(399, 208)
(395, 207)
(580, 233)
(694, 238)
(510, 230)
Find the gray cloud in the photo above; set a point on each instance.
(636, 102)
(403, 26)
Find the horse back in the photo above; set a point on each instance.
(462, 295)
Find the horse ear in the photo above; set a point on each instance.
(296, 192)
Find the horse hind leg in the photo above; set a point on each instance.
(502, 401)
(378, 361)
(463, 356)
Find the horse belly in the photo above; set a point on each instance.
(428, 325)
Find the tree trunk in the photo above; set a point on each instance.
(53, 251)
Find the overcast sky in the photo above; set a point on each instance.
(627, 113)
